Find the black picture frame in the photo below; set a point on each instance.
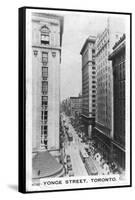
(22, 98)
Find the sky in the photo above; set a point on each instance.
(77, 28)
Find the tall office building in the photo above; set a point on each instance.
(104, 100)
(118, 66)
(88, 84)
(47, 32)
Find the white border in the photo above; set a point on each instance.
(29, 186)
(28, 101)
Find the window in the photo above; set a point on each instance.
(45, 143)
(44, 102)
(93, 91)
(44, 130)
(44, 73)
(44, 87)
(44, 98)
(44, 58)
(45, 35)
(44, 38)
(44, 115)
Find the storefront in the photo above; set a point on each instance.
(103, 144)
(119, 155)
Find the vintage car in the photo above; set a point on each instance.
(69, 166)
(90, 166)
(68, 158)
(71, 173)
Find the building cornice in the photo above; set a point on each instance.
(87, 117)
(119, 46)
(118, 145)
(111, 139)
(119, 41)
(46, 47)
(88, 40)
(117, 50)
(75, 97)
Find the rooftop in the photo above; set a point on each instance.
(118, 47)
(52, 16)
(89, 39)
(119, 41)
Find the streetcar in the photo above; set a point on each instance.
(83, 154)
(90, 166)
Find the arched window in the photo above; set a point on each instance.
(45, 32)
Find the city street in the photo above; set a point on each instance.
(77, 164)
(73, 148)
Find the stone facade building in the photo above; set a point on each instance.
(47, 32)
(118, 67)
(105, 41)
(88, 84)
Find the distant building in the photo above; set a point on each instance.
(47, 32)
(88, 84)
(75, 106)
(65, 106)
(104, 132)
(118, 66)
